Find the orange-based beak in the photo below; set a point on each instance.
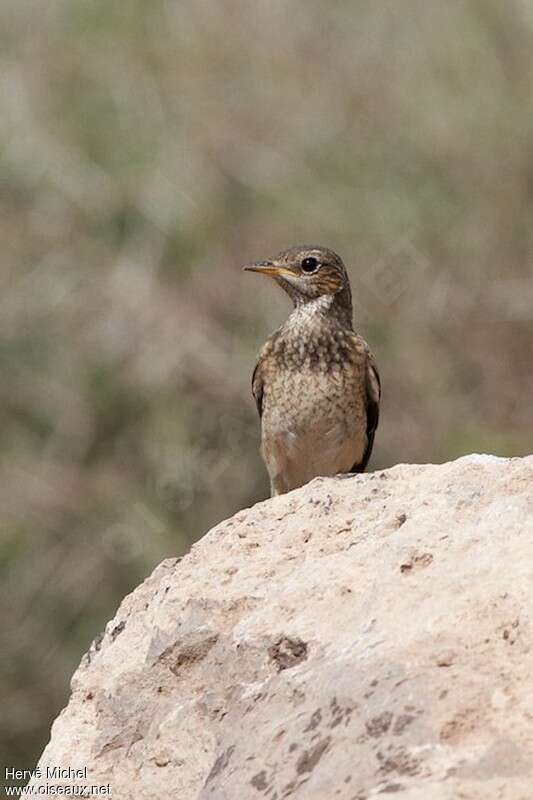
(269, 268)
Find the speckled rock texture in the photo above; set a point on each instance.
(360, 637)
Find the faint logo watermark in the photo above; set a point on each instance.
(400, 269)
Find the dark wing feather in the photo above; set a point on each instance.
(262, 369)
(257, 387)
(373, 396)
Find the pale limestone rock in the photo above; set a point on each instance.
(357, 638)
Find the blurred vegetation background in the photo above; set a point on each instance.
(147, 150)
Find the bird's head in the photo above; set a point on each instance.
(307, 273)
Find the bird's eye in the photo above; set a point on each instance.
(309, 264)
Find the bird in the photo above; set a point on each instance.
(316, 383)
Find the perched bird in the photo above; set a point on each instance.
(316, 384)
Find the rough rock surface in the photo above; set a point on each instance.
(357, 638)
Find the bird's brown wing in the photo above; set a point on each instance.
(373, 396)
(262, 369)
(257, 386)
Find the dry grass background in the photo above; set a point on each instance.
(147, 150)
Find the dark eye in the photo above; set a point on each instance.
(309, 264)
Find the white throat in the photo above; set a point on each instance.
(318, 305)
(320, 310)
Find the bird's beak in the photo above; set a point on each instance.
(269, 268)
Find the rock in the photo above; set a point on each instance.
(357, 638)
